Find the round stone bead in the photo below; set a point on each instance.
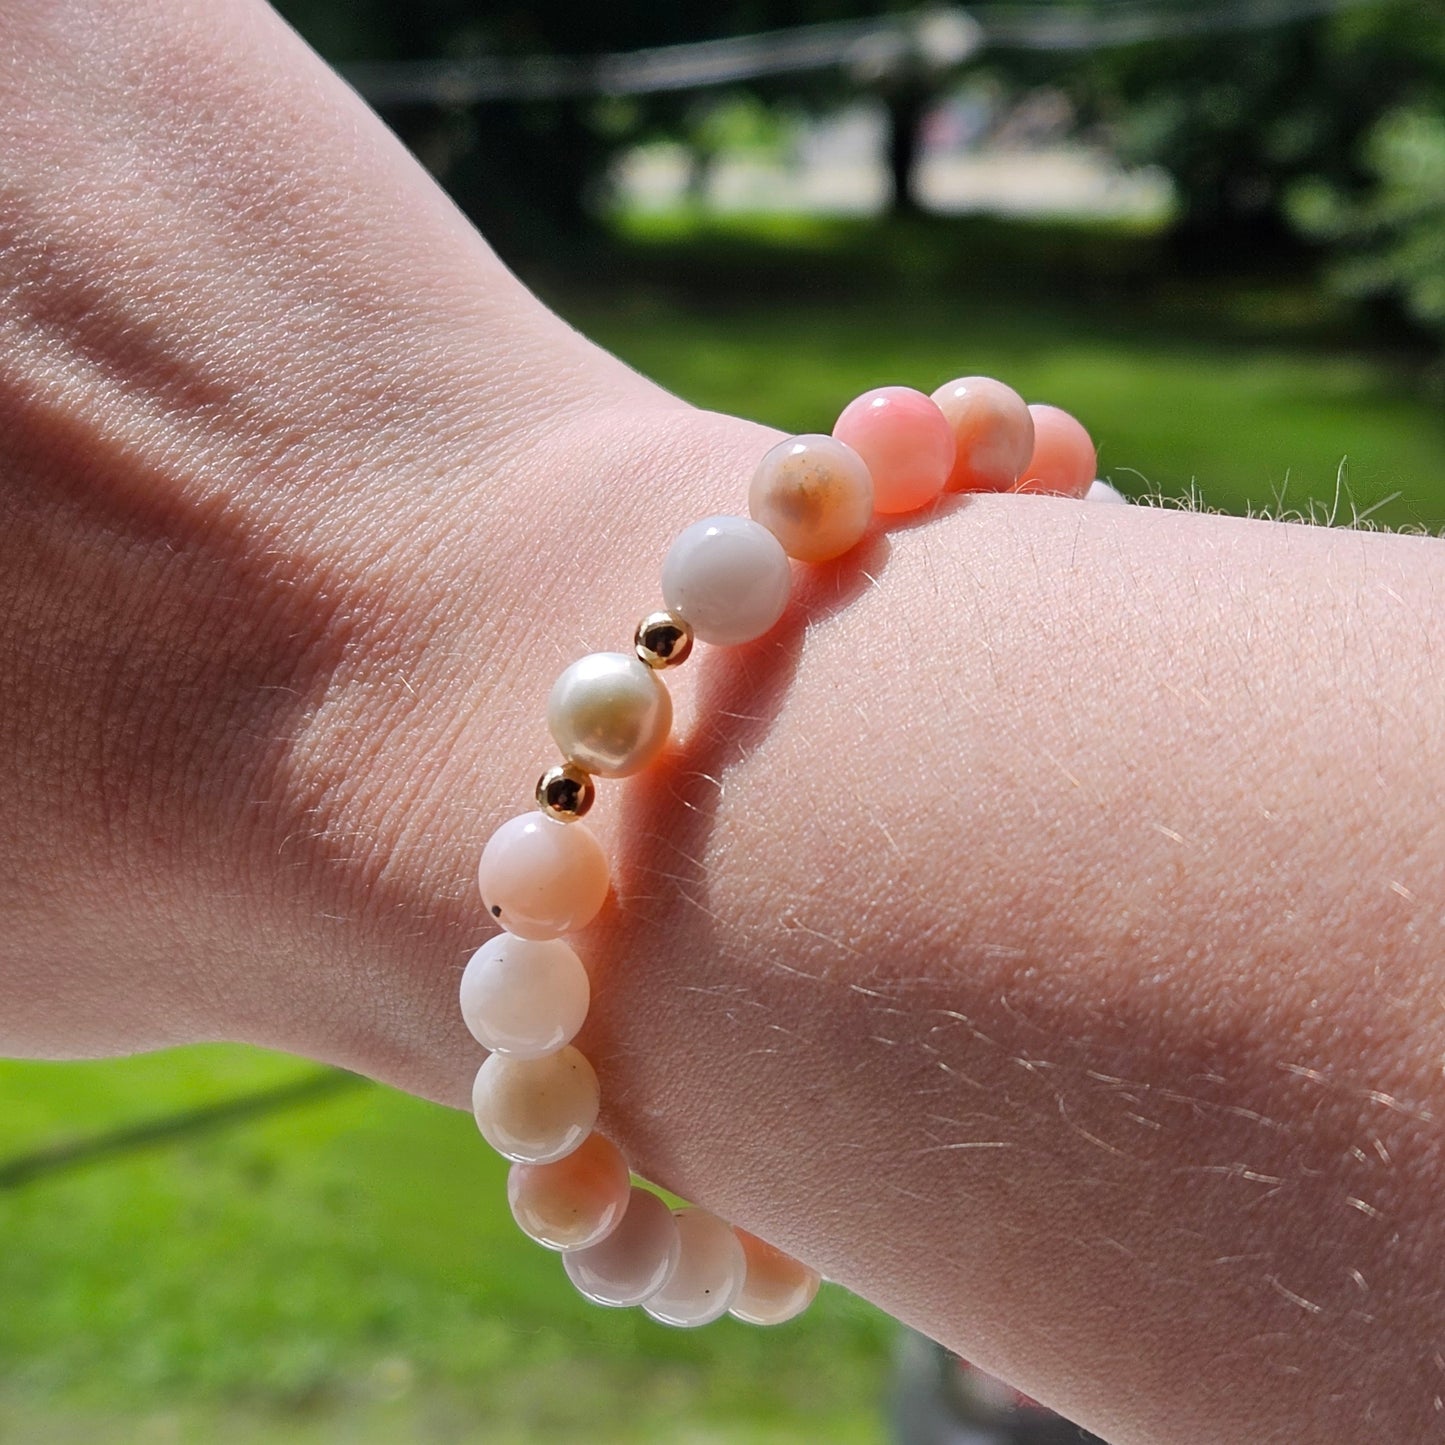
(541, 878)
(575, 1202)
(906, 442)
(533, 1111)
(524, 997)
(728, 578)
(634, 1261)
(775, 1285)
(815, 495)
(709, 1273)
(1101, 491)
(610, 713)
(993, 432)
(1063, 461)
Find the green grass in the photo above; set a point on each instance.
(346, 1270)
(1243, 395)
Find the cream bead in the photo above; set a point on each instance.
(709, 1273)
(634, 1261)
(728, 578)
(541, 878)
(1101, 491)
(533, 1111)
(575, 1202)
(776, 1287)
(815, 495)
(610, 713)
(524, 997)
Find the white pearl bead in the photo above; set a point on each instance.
(1101, 491)
(610, 713)
(728, 578)
(533, 1111)
(634, 1261)
(524, 997)
(709, 1274)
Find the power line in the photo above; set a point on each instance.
(946, 37)
(1041, 27)
(934, 40)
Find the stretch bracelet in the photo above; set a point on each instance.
(525, 993)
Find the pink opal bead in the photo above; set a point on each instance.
(815, 495)
(992, 429)
(906, 442)
(776, 1287)
(709, 1273)
(575, 1202)
(1101, 491)
(1063, 461)
(534, 1111)
(524, 997)
(634, 1261)
(541, 878)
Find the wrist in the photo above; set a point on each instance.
(429, 713)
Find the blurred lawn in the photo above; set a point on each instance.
(346, 1270)
(1242, 394)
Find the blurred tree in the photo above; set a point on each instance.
(1237, 119)
(526, 170)
(1392, 241)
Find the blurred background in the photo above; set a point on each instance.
(1214, 229)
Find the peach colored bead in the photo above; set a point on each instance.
(815, 495)
(906, 442)
(525, 997)
(634, 1261)
(775, 1286)
(1063, 461)
(993, 430)
(541, 878)
(709, 1273)
(533, 1111)
(575, 1202)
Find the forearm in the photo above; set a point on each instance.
(1073, 990)
(1043, 945)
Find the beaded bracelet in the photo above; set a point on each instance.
(525, 993)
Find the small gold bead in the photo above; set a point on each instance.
(565, 792)
(663, 639)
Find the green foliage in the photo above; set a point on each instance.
(1237, 119)
(1394, 238)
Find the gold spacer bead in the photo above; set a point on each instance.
(662, 639)
(565, 792)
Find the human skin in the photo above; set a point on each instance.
(1039, 932)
